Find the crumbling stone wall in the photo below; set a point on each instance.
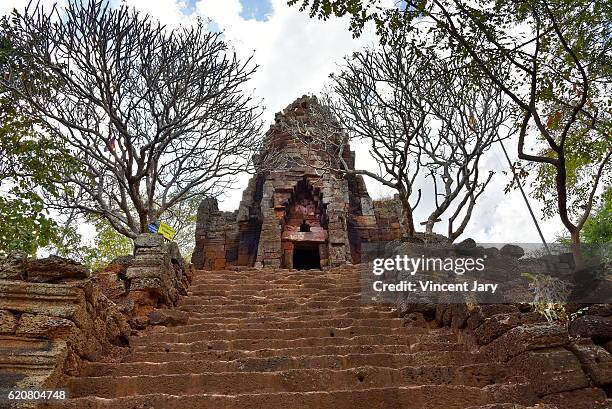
(567, 364)
(156, 278)
(217, 236)
(561, 364)
(388, 214)
(54, 314)
(52, 317)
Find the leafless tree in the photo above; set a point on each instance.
(471, 115)
(154, 116)
(376, 100)
(420, 117)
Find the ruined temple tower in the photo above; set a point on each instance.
(295, 212)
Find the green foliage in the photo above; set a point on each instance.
(598, 228)
(30, 162)
(23, 226)
(183, 218)
(25, 164)
(583, 152)
(108, 245)
(549, 298)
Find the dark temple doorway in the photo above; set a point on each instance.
(306, 257)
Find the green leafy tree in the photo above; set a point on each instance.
(598, 228)
(183, 219)
(108, 245)
(30, 162)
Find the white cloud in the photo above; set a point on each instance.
(295, 53)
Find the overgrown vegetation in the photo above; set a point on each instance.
(550, 296)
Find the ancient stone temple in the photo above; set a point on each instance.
(296, 212)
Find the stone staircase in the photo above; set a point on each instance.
(295, 339)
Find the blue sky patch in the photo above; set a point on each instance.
(258, 10)
(189, 7)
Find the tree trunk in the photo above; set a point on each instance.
(408, 221)
(576, 250)
(429, 225)
(144, 221)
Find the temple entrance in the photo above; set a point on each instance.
(304, 228)
(306, 257)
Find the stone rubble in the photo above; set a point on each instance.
(55, 315)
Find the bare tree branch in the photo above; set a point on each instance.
(154, 115)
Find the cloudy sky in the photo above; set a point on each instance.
(295, 55)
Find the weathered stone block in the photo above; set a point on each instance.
(110, 284)
(481, 312)
(337, 236)
(526, 338)
(499, 324)
(59, 300)
(152, 271)
(38, 325)
(576, 399)
(592, 326)
(549, 370)
(168, 318)
(601, 310)
(596, 361)
(272, 263)
(8, 322)
(512, 250)
(54, 268)
(14, 266)
(32, 362)
(149, 240)
(152, 285)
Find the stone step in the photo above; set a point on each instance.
(279, 278)
(210, 354)
(293, 380)
(273, 281)
(422, 343)
(281, 310)
(261, 300)
(255, 344)
(298, 339)
(272, 334)
(286, 324)
(272, 306)
(283, 274)
(279, 363)
(278, 274)
(348, 283)
(284, 277)
(406, 397)
(241, 317)
(247, 288)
